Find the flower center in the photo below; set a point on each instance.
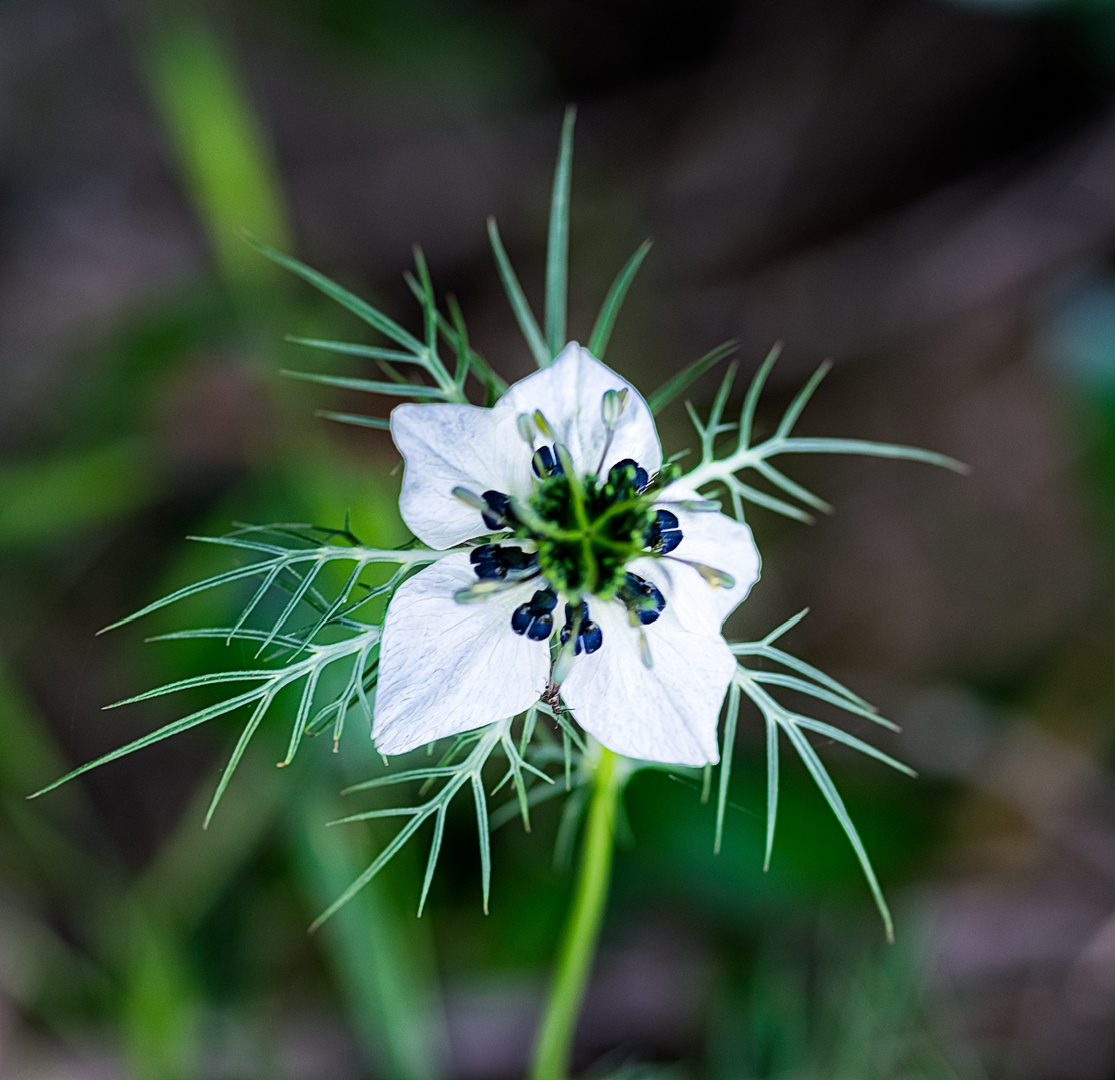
(587, 530)
(582, 532)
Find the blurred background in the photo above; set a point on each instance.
(922, 190)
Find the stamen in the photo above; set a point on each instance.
(494, 507)
(718, 579)
(565, 460)
(535, 619)
(545, 463)
(582, 630)
(495, 561)
(700, 506)
(526, 428)
(611, 408)
(664, 534)
(643, 600)
(470, 498)
(542, 425)
(497, 510)
(564, 659)
(481, 590)
(638, 476)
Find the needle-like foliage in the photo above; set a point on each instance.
(805, 679)
(455, 776)
(726, 470)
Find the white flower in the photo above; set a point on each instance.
(619, 580)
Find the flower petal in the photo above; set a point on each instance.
(569, 393)
(668, 712)
(715, 540)
(447, 667)
(446, 446)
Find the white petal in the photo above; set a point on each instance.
(668, 712)
(569, 394)
(446, 446)
(713, 539)
(446, 667)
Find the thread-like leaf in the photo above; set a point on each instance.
(557, 247)
(370, 386)
(360, 308)
(772, 786)
(367, 352)
(380, 423)
(872, 449)
(764, 468)
(431, 859)
(689, 375)
(727, 752)
(525, 317)
(792, 682)
(801, 399)
(250, 727)
(834, 733)
(459, 344)
(771, 502)
(176, 727)
(716, 413)
(828, 789)
(754, 391)
(485, 837)
(384, 857)
(609, 310)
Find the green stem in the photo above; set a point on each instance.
(554, 1048)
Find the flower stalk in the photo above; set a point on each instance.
(554, 1049)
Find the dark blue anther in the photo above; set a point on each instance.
(642, 598)
(546, 463)
(592, 637)
(589, 637)
(498, 515)
(535, 618)
(639, 477)
(521, 619)
(664, 534)
(496, 561)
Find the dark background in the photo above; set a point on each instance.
(923, 191)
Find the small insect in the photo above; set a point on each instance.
(550, 696)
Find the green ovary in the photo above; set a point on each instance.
(594, 531)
